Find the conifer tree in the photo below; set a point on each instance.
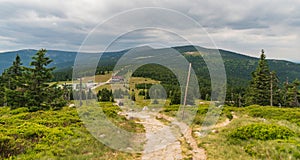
(104, 95)
(29, 87)
(259, 89)
(37, 79)
(2, 94)
(13, 84)
(275, 89)
(292, 94)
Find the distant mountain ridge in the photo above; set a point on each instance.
(60, 58)
(238, 66)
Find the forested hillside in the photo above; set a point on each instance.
(238, 67)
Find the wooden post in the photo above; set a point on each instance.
(240, 97)
(80, 92)
(186, 89)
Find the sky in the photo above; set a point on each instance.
(243, 26)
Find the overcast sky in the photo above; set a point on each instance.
(244, 26)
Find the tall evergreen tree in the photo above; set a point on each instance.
(29, 87)
(12, 76)
(37, 79)
(259, 89)
(274, 89)
(13, 84)
(2, 93)
(292, 94)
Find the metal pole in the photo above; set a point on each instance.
(186, 89)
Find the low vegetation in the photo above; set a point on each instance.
(255, 134)
(261, 131)
(36, 124)
(289, 114)
(55, 135)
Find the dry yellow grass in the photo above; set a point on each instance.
(97, 78)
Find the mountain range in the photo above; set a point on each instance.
(238, 66)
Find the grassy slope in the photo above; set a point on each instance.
(55, 135)
(222, 145)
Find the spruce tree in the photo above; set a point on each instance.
(2, 94)
(37, 79)
(12, 76)
(29, 87)
(259, 89)
(13, 84)
(292, 94)
(104, 95)
(275, 89)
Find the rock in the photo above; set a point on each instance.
(102, 135)
(159, 116)
(198, 134)
(215, 131)
(130, 118)
(129, 148)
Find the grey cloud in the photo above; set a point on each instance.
(244, 26)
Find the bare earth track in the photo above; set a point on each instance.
(163, 140)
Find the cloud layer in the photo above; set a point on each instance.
(244, 26)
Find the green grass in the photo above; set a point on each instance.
(290, 114)
(257, 133)
(56, 135)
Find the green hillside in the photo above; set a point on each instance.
(238, 67)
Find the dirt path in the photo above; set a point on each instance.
(162, 140)
(198, 153)
(225, 123)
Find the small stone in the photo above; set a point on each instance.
(215, 131)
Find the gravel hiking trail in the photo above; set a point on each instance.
(163, 140)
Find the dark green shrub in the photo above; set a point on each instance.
(171, 108)
(262, 131)
(289, 114)
(228, 114)
(198, 120)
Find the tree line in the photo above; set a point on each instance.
(265, 89)
(22, 86)
(29, 87)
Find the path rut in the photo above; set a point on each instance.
(163, 140)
